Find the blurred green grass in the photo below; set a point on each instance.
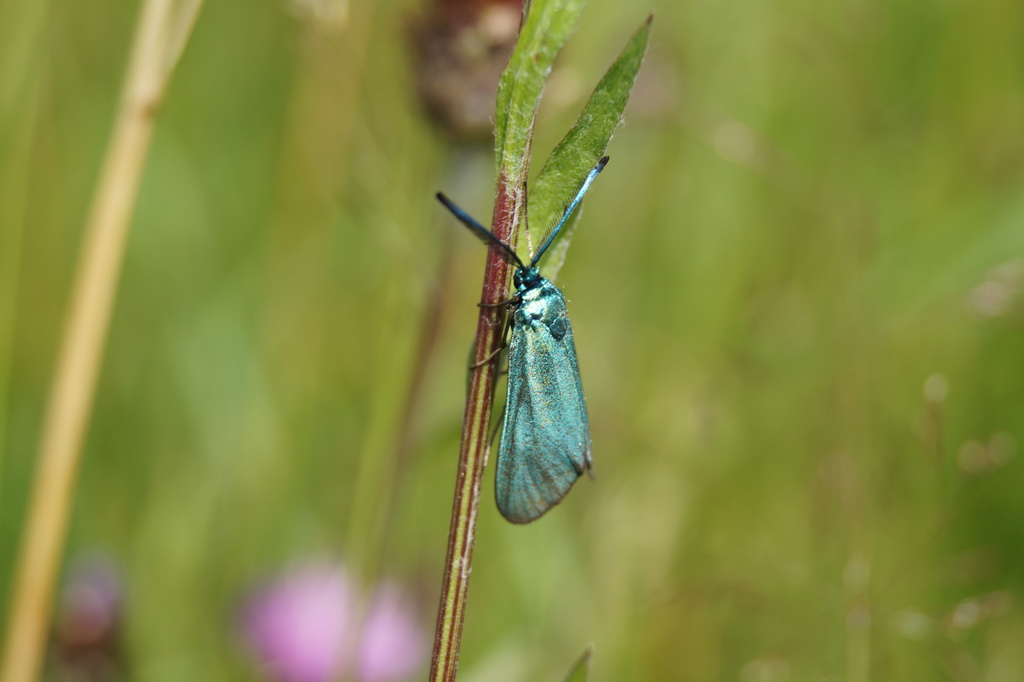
(813, 211)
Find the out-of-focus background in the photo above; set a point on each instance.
(797, 293)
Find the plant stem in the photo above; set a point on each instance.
(475, 445)
(157, 44)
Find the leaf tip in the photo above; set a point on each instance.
(580, 670)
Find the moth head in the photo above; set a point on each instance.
(526, 278)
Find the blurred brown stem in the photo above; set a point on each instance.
(475, 444)
(160, 35)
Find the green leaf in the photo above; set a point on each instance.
(580, 670)
(546, 28)
(586, 142)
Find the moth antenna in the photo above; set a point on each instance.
(571, 207)
(481, 232)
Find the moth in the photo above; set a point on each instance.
(545, 438)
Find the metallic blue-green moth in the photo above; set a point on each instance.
(545, 438)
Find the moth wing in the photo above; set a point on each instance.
(545, 442)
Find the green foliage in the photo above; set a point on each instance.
(547, 26)
(580, 671)
(798, 309)
(587, 140)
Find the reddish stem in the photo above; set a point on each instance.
(474, 448)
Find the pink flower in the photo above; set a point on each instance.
(393, 647)
(303, 628)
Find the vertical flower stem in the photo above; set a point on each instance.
(474, 448)
(546, 27)
(160, 36)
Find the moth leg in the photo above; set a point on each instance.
(497, 424)
(503, 346)
(499, 304)
(490, 356)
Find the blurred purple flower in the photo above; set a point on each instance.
(87, 626)
(303, 628)
(393, 647)
(297, 626)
